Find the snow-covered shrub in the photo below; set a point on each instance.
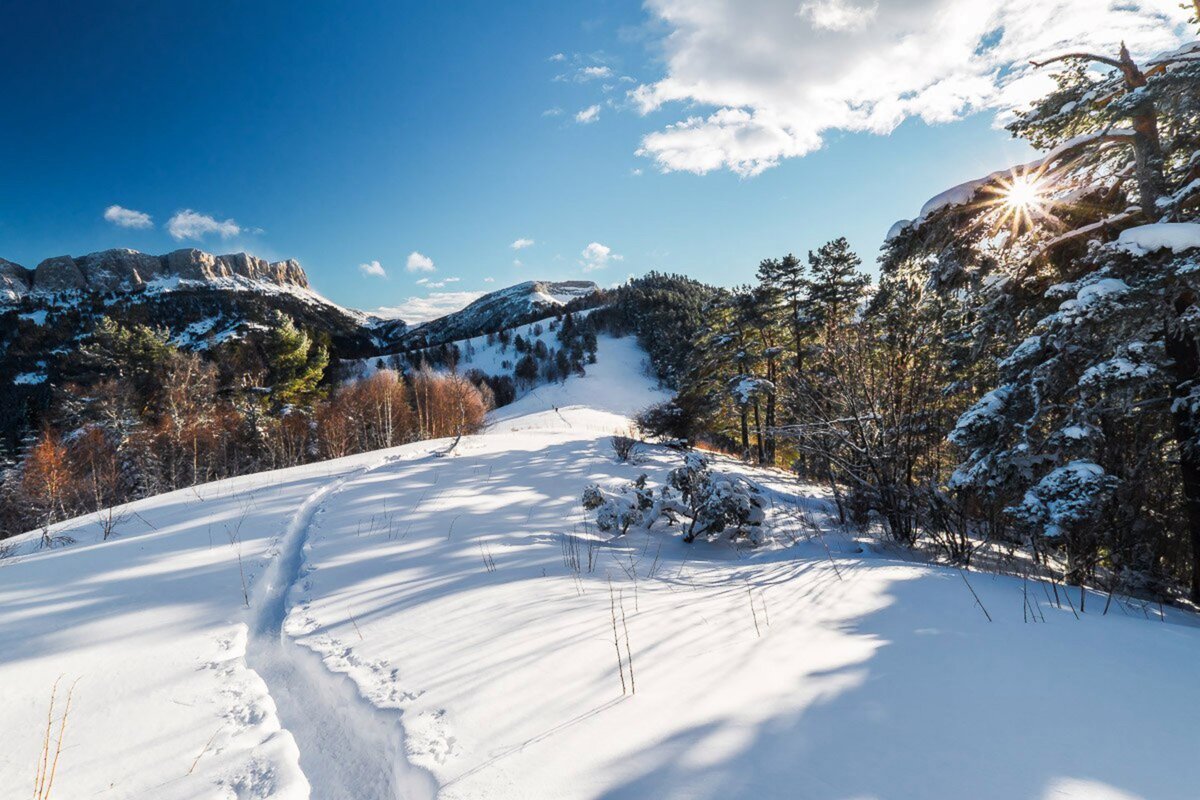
(713, 502)
(614, 512)
(716, 501)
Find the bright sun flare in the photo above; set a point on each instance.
(1023, 193)
(1019, 202)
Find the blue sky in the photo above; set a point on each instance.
(351, 133)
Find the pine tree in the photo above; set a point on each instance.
(1094, 394)
(295, 364)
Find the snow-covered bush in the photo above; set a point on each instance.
(713, 502)
(614, 512)
(716, 501)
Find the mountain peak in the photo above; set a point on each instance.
(122, 269)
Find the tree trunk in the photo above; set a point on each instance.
(1147, 147)
(745, 432)
(1185, 364)
(758, 430)
(770, 433)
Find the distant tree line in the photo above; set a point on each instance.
(136, 416)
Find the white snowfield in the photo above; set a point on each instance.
(414, 625)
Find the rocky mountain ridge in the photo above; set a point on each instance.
(130, 270)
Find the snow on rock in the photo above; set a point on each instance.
(1176, 236)
(417, 614)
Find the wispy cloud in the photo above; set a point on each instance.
(419, 263)
(521, 244)
(557, 57)
(373, 269)
(597, 256)
(489, 280)
(594, 73)
(189, 224)
(588, 115)
(127, 217)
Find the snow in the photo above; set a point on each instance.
(745, 388)
(411, 623)
(29, 378)
(897, 227)
(36, 317)
(982, 415)
(964, 193)
(1114, 370)
(1068, 496)
(1176, 236)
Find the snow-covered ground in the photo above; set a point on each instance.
(412, 623)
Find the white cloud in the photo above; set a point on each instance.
(374, 269)
(188, 224)
(552, 112)
(127, 217)
(432, 306)
(597, 256)
(557, 57)
(518, 263)
(838, 15)
(521, 244)
(419, 263)
(588, 115)
(452, 280)
(489, 280)
(771, 84)
(593, 73)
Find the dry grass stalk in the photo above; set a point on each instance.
(47, 767)
(628, 652)
(612, 604)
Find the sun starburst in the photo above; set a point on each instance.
(1018, 201)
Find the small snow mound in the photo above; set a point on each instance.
(1176, 236)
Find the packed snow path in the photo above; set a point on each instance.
(466, 598)
(348, 748)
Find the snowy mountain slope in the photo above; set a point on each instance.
(504, 308)
(493, 357)
(413, 623)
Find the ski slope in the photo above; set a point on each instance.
(422, 622)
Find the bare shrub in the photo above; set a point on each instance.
(623, 447)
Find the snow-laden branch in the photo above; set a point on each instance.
(966, 193)
(1108, 222)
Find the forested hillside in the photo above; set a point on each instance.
(1023, 373)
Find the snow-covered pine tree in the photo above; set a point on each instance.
(1085, 267)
